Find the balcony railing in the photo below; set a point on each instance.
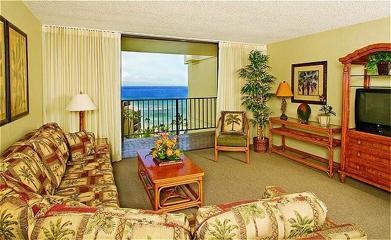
(147, 117)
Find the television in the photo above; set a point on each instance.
(373, 111)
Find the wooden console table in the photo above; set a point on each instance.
(310, 133)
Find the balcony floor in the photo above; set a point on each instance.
(189, 141)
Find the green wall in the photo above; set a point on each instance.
(325, 46)
(18, 14)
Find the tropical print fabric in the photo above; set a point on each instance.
(109, 223)
(26, 167)
(80, 144)
(232, 122)
(342, 232)
(284, 216)
(17, 144)
(90, 180)
(51, 156)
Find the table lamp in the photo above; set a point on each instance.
(81, 103)
(283, 91)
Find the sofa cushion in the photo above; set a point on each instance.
(17, 144)
(110, 223)
(232, 140)
(25, 166)
(55, 133)
(80, 144)
(285, 216)
(303, 213)
(51, 156)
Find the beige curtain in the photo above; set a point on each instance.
(81, 60)
(232, 57)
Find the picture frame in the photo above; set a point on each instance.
(18, 72)
(4, 110)
(309, 82)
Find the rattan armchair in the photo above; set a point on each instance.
(233, 142)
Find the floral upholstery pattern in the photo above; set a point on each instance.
(80, 144)
(109, 223)
(17, 144)
(284, 216)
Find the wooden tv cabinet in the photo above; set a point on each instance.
(310, 133)
(364, 156)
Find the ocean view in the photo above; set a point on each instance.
(153, 92)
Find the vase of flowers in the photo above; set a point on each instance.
(166, 149)
(324, 116)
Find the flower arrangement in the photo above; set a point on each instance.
(327, 110)
(166, 148)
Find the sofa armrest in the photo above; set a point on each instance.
(102, 145)
(340, 232)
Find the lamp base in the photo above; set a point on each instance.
(284, 117)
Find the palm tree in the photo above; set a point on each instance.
(232, 119)
(59, 231)
(99, 223)
(250, 213)
(27, 175)
(6, 227)
(300, 225)
(222, 230)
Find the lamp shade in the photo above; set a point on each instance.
(284, 90)
(81, 102)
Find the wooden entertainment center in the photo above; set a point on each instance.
(364, 156)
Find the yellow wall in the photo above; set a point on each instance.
(18, 14)
(325, 46)
(202, 78)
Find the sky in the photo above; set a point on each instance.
(153, 69)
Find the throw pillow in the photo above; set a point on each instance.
(80, 144)
(232, 122)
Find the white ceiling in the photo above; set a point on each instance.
(252, 22)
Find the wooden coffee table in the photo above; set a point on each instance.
(172, 187)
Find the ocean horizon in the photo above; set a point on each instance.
(153, 92)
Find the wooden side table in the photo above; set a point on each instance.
(310, 133)
(169, 187)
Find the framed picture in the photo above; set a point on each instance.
(309, 82)
(18, 72)
(3, 77)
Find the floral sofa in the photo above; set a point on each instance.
(61, 186)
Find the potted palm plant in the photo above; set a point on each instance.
(255, 93)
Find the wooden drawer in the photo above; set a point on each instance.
(370, 142)
(369, 159)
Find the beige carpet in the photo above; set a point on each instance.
(232, 180)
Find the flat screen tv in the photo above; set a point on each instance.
(372, 111)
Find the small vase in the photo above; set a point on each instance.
(324, 120)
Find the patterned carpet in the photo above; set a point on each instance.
(229, 179)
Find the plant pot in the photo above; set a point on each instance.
(324, 120)
(260, 145)
(383, 67)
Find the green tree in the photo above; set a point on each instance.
(232, 119)
(300, 225)
(6, 225)
(222, 230)
(256, 91)
(59, 231)
(250, 213)
(99, 223)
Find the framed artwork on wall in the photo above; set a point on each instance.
(309, 82)
(3, 76)
(18, 72)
